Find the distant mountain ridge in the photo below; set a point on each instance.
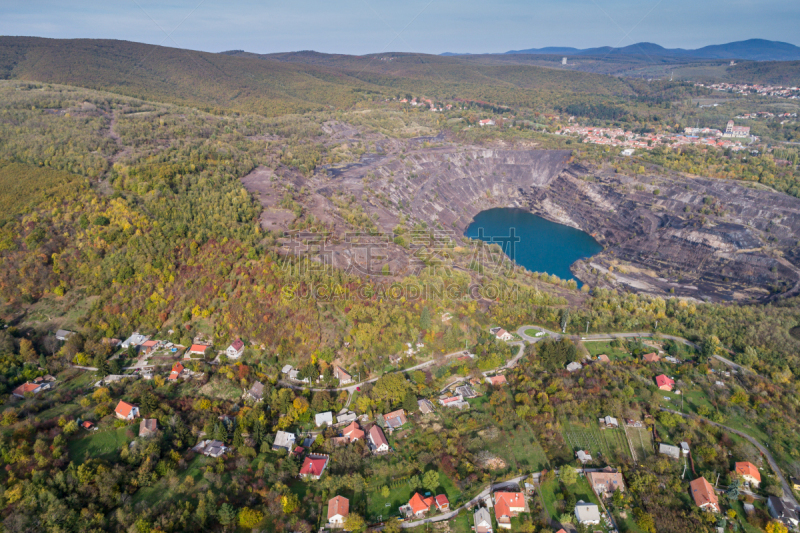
(752, 49)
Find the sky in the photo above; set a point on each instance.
(427, 26)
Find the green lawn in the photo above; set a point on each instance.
(399, 495)
(532, 333)
(551, 493)
(160, 491)
(596, 348)
(98, 444)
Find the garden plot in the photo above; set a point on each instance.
(603, 444)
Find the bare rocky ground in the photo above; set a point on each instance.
(699, 238)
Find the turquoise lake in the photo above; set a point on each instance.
(541, 245)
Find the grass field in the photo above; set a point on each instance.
(604, 444)
(98, 444)
(596, 348)
(520, 450)
(532, 333)
(642, 441)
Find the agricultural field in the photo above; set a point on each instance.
(596, 348)
(606, 445)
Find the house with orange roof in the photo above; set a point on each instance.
(496, 381)
(704, 496)
(749, 473)
(126, 411)
(177, 369)
(149, 346)
(29, 388)
(651, 358)
(603, 358)
(665, 382)
(395, 419)
(508, 505)
(338, 510)
(418, 505)
(442, 503)
(198, 349)
(313, 466)
(353, 432)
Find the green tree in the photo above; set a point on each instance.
(569, 476)
(425, 319)
(385, 492)
(430, 480)
(354, 522)
(250, 518)
(226, 515)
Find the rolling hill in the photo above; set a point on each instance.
(752, 49)
(281, 83)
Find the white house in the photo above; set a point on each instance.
(483, 520)
(284, 441)
(503, 335)
(587, 513)
(235, 350)
(126, 411)
(324, 418)
(377, 440)
(64, 334)
(574, 366)
(338, 510)
(134, 340)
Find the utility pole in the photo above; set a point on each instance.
(716, 482)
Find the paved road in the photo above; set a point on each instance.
(633, 335)
(511, 483)
(788, 496)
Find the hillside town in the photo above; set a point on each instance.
(777, 91)
(705, 137)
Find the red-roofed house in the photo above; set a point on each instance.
(664, 382)
(603, 358)
(343, 377)
(87, 425)
(126, 411)
(749, 473)
(651, 358)
(420, 505)
(198, 349)
(148, 347)
(30, 388)
(704, 496)
(177, 368)
(442, 503)
(353, 432)
(507, 505)
(338, 510)
(496, 381)
(314, 466)
(377, 440)
(235, 350)
(395, 419)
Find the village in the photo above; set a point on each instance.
(778, 91)
(432, 498)
(705, 137)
